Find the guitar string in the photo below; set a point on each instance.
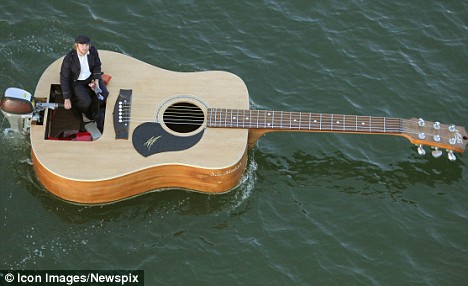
(197, 115)
(388, 122)
(179, 115)
(181, 111)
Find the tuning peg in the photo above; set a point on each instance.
(436, 153)
(421, 150)
(421, 122)
(451, 156)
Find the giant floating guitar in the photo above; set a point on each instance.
(167, 129)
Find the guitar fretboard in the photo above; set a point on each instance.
(301, 121)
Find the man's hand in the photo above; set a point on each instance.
(67, 104)
(94, 84)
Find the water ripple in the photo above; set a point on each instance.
(313, 208)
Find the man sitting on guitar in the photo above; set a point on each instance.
(80, 76)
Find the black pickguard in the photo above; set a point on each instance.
(150, 138)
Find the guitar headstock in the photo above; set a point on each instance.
(436, 135)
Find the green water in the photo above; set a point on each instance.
(313, 209)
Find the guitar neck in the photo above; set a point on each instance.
(301, 121)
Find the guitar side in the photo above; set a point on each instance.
(214, 181)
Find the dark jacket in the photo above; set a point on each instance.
(70, 70)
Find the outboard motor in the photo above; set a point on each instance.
(17, 107)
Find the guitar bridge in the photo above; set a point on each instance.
(121, 113)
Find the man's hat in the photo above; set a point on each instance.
(82, 39)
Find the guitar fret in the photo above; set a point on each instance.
(259, 119)
(258, 116)
(222, 117)
(236, 118)
(233, 119)
(230, 119)
(220, 120)
(211, 115)
(226, 117)
(214, 116)
(247, 118)
(270, 118)
(281, 120)
(242, 118)
(267, 119)
(273, 120)
(385, 125)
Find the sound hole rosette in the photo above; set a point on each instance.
(183, 115)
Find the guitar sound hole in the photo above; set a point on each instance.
(183, 117)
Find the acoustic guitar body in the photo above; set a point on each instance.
(153, 152)
(167, 129)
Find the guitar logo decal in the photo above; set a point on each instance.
(150, 142)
